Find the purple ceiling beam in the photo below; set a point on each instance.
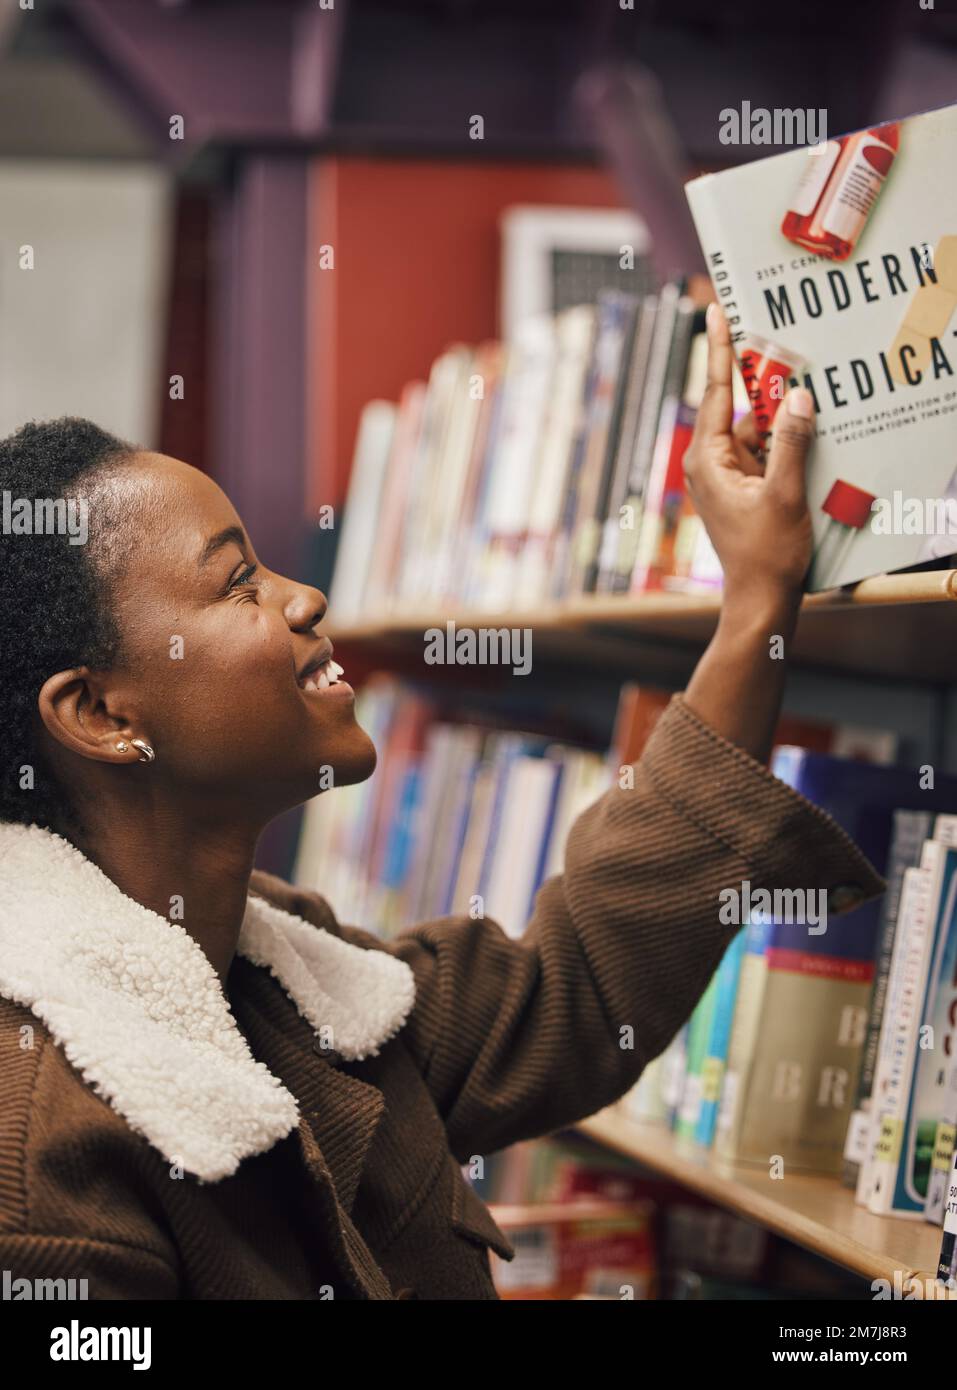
(240, 75)
(316, 53)
(627, 110)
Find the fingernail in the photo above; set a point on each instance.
(801, 402)
(711, 316)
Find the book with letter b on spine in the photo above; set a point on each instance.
(836, 266)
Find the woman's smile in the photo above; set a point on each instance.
(323, 676)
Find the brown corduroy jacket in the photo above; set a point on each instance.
(308, 1144)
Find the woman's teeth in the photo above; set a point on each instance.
(327, 674)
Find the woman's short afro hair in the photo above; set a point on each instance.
(57, 612)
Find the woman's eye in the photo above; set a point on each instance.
(243, 577)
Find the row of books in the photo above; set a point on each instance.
(586, 1224)
(536, 471)
(468, 816)
(837, 1051)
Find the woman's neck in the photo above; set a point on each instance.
(196, 876)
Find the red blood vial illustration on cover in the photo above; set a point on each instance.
(766, 370)
(841, 182)
(849, 508)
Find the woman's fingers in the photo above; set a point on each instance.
(716, 411)
(746, 430)
(749, 459)
(790, 441)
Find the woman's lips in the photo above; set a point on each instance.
(325, 680)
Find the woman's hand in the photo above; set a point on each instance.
(759, 524)
(756, 516)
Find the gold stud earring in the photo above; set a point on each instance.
(122, 746)
(146, 753)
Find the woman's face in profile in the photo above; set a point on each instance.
(216, 652)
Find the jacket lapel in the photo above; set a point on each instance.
(140, 1013)
(340, 1111)
(339, 1115)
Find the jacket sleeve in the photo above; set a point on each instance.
(111, 1271)
(517, 1038)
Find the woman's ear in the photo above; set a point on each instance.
(74, 712)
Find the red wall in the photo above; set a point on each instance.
(416, 248)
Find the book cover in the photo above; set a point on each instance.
(385, 555)
(512, 463)
(448, 383)
(377, 425)
(507, 752)
(627, 440)
(931, 1124)
(674, 1062)
(476, 835)
(614, 340)
(448, 850)
(745, 1027)
(947, 1260)
(837, 269)
(645, 1101)
(899, 1031)
(584, 778)
(904, 1042)
(945, 1138)
(585, 578)
(526, 819)
(665, 476)
(622, 561)
(575, 333)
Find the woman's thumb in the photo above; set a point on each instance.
(790, 440)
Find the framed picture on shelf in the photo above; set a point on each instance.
(554, 258)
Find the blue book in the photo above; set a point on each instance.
(555, 756)
(397, 858)
(862, 797)
(716, 1045)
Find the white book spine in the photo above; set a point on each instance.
(945, 830)
(899, 1026)
(890, 1112)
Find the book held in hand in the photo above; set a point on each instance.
(836, 266)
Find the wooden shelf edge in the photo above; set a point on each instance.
(870, 630)
(927, 586)
(932, 586)
(909, 1248)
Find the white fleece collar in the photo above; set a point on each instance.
(139, 1011)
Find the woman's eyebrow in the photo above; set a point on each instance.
(225, 537)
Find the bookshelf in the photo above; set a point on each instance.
(811, 1210)
(893, 626)
(896, 629)
(458, 489)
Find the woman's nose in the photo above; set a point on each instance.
(305, 607)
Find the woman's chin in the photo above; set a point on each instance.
(350, 764)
